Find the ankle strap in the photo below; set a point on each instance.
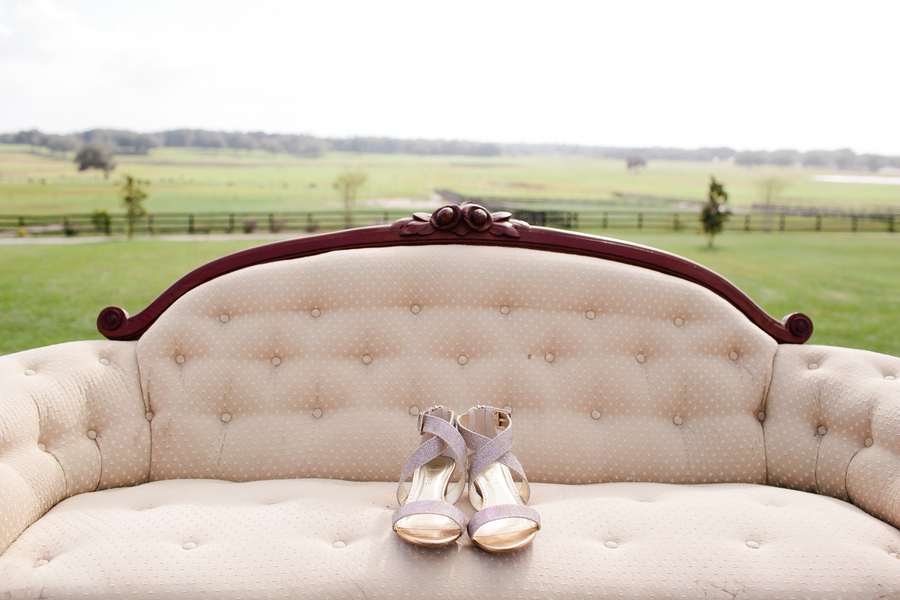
(489, 445)
(440, 424)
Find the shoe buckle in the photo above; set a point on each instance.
(502, 417)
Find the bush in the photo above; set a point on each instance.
(102, 221)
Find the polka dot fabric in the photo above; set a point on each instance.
(311, 538)
(71, 421)
(831, 424)
(315, 367)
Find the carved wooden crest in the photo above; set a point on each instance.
(461, 219)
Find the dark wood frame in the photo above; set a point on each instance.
(459, 224)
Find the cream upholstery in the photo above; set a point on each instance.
(330, 539)
(290, 376)
(236, 371)
(832, 423)
(71, 421)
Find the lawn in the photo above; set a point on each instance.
(848, 283)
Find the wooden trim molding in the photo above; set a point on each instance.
(465, 223)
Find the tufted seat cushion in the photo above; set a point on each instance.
(331, 539)
(316, 367)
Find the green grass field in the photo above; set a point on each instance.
(187, 179)
(848, 283)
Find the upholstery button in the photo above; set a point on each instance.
(226, 417)
(149, 416)
(317, 412)
(224, 318)
(761, 416)
(366, 359)
(889, 377)
(590, 314)
(733, 355)
(611, 545)
(92, 434)
(415, 309)
(504, 310)
(462, 359)
(104, 361)
(752, 544)
(180, 359)
(822, 430)
(276, 360)
(595, 414)
(679, 322)
(42, 447)
(189, 545)
(339, 544)
(813, 366)
(678, 420)
(29, 372)
(549, 357)
(315, 312)
(414, 410)
(869, 442)
(640, 358)
(508, 408)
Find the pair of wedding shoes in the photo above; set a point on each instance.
(427, 515)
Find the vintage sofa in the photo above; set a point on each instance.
(241, 437)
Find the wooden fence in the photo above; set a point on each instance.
(311, 222)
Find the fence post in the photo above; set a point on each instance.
(781, 223)
(604, 223)
(854, 223)
(891, 223)
(231, 223)
(676, 226)
(819, 222)
(640, 220)
(386, 217)
(271, 223)
(191, 223)
(747, 223)
(149, 225)
(576, 220)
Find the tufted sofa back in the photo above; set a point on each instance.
(316, 367)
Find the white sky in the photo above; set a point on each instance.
(746, 74)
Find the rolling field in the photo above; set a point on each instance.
(848, 283)
(187, 179)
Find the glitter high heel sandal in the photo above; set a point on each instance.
(503, 523)
(426, 516)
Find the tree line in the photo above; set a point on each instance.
(129, 142)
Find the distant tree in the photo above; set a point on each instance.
(635, 161)
(815, 158)
(95, 157)
(133, 195)
(347, 184)
(873, 162)
(61, 143)
(32, 137)
(749, 159)
(714, 214)
(845, 159)
(784, 158)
